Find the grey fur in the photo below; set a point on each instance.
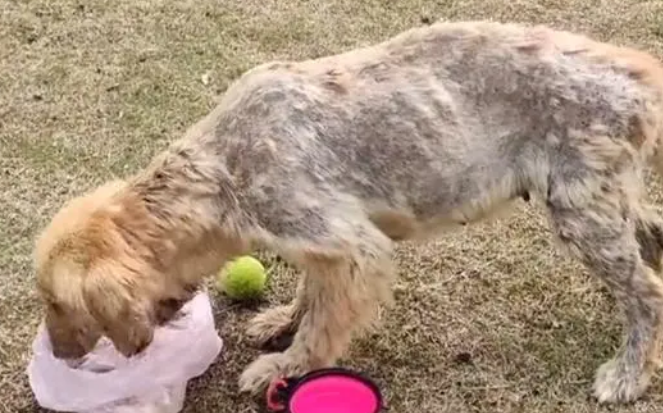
(329, 161)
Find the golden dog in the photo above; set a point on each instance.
(328, 162)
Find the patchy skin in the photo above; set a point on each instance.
(328, 162)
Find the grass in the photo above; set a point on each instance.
(489, 319)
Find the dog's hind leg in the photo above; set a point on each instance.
(649, 233)
(340, 295)
(609, 232)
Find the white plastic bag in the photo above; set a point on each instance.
(107, 382)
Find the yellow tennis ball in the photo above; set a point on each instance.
(243, 278)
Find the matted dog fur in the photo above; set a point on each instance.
(328, 162)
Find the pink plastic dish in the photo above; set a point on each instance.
(334, 390)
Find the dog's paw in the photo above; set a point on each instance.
(273, 328)
(266, 368)
(619, 383)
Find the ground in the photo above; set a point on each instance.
(490, 319)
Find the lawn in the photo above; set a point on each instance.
(489, 319)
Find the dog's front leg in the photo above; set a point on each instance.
(340, 296)
(274, 328)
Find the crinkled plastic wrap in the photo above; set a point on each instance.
(107, 382)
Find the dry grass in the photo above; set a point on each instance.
(491, 319)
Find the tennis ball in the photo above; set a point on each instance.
(243, 278)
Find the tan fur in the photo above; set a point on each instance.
(330, 161)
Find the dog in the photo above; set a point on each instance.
(330, 162)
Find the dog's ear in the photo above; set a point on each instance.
(121, 305)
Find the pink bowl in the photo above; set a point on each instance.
(335, 391)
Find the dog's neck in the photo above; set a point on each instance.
(185, 216)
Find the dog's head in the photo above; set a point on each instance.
(93, 277)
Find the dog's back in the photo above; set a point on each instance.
(440, 122)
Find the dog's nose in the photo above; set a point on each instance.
(68, 352)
